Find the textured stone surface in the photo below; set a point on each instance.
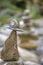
(25, 42)
(13, 63)
(28, 46)
(27, 55)
(10, 51)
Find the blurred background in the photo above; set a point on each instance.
(26, 15)
(10, 8)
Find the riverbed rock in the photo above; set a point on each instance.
(10, 51)
(28, 46)
(25, 42)
(14, 63)
(28, 55)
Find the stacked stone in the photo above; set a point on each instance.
(9, 52)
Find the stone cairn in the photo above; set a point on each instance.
(9, 53)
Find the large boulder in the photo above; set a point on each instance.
(10, 51)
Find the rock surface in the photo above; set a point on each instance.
(25, 42)
(10, 51)
(14, 63)
(28, 55)
(28, 46)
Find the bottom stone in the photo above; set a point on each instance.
(19, 63)
(11, 63)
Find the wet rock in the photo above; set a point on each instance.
(26, 37)
(28, 46)
(2, 39)
(28, 55)
(13, 23)
(19, 62)
(14, 63)
(25, 43)
(10, 51)
(30, 63)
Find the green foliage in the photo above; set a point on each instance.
(35, 13)
(7, 5)
(18, 6)
(4, 19)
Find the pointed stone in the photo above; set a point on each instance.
(10, 51)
